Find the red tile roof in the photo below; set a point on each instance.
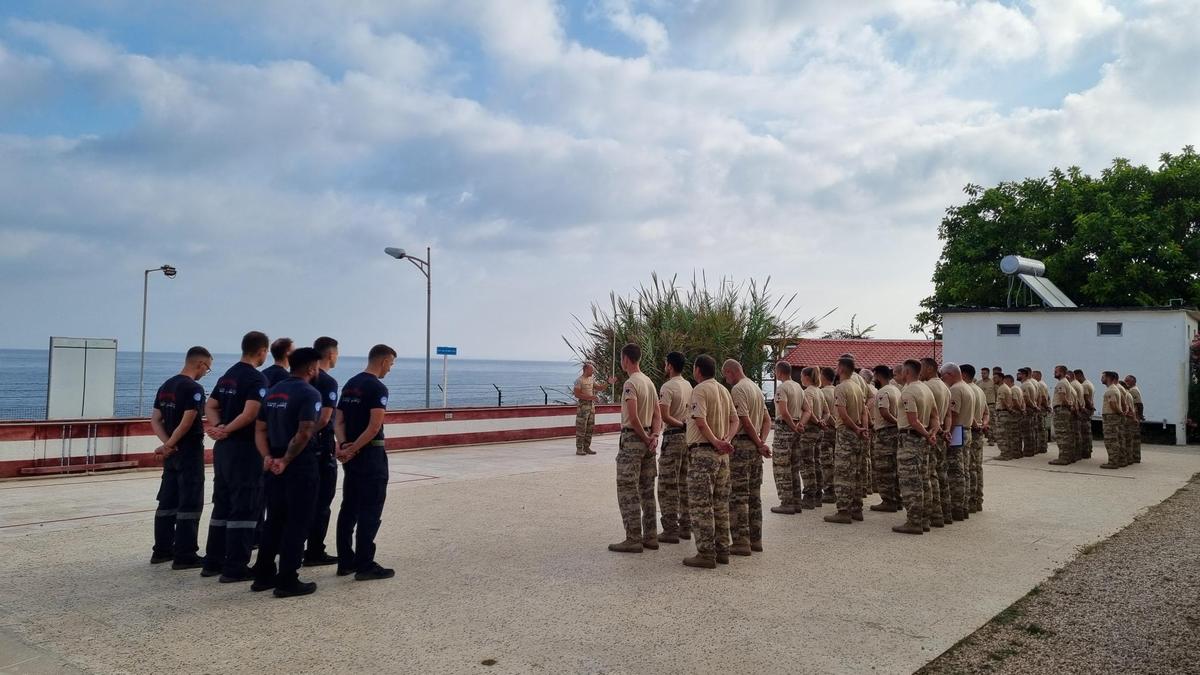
(867, 353)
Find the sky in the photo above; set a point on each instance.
(548, 152)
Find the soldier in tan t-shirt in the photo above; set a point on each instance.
(1112, 415)
(1062, 402)
(916, 440)
(1004, 419)
(937, 464)
(848, 397)
(960, 419)
(982, 425)
(641, 427)
(811, 438)
(828, 437)
(711, 426)
(745, 465)
(791, 413)
(585, 413)
(673, 398)
(1087, 409)
(1139, 413)
(885, 411)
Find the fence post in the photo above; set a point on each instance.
(499, 397)
(545, 396)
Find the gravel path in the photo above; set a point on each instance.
(1129, 604)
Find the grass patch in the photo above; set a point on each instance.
(1002, 653)
(1090, 548)
(1008, 616)
(1037, 631)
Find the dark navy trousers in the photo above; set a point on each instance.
(364, 490)
(237, 496)
(326, 487)
(180, 502)
(291, 500)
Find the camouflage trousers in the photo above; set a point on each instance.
(883, 456)
(825, 460)
(809, 449)
(938, 505)
(635, 486)
(745, 491)
(956, 474)
(672, 484)
(783, 444)
(1027, 426)
(991, 434)
(975, 472)
(1086, 436)
(1080, 451)
(1064, 434)
(1127, 426)
(708, 497)
(1111, 428)
(1001, 428)
(847, 464)
(585, 422)
(1135, 441)
(865, 479)
(1043, 438)
(913, 474)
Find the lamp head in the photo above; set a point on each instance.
(397, 253)
(169, 271)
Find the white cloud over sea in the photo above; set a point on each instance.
(549, 152)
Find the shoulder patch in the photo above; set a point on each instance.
(383, 401)
(317, 406)
(197, 396)
(262, 391)
(333, 396)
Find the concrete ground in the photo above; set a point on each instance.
(500, 558)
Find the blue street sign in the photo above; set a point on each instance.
(447, 351)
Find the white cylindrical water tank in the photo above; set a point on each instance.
(1015, 264)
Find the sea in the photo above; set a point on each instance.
(24, 374)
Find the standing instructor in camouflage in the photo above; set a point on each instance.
(585, 414)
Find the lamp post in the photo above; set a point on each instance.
(169, 272)
(423, 266)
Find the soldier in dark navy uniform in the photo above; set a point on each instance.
(177, 422)
(285, 435)
(278, 372)
(315, 554)
(364, 462)
(237, 467)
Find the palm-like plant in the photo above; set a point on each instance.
(739, 321)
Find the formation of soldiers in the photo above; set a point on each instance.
(278, 444)
(1026, 412)
(913, 433)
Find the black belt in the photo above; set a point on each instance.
(646, 429)
(693, 446)
(893, 427)
(1062, 407)
(674, 431)
(913, 432)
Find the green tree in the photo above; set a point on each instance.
(743, 322)
(851, 332)
(1128, 237)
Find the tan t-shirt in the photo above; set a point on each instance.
(711, 402)
(941, 397)
(816, 403)
(1003, 397)
(1137, 399)
(848, 395)
(962, 403)
(1043, 393)
(1078, 389)
(789, 394)
(888, 398)
(675, 394)
(989, 390)
(915, 398)
(748, 400)
(638, 388)
(981, 403)
(1089, 395)
(1128, 398)
(1063, 393)
(862, 384)
(827, 395)
(1018, 399)
(1113, 401)
(587, 384)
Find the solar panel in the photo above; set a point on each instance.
(1045, 289)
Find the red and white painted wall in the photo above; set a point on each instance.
(31, 448)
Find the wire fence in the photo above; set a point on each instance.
(400, 397)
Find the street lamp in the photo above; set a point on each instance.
(169, 272)
(423, 265)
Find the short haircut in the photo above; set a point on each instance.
(1132, 377)
(731, 364)
(198, 353)
(828, 373)
(1079, 373)
(783, 367)
(984, 369)
(998, 370)
(379, 352)
(706, 364)
(932, 363)
(632, 352)
(883, 371)
(968, 370)
(847, 362)
(1113, 374)
(303, 358)
(254, 341)
(913, 367)
(949, 367)
(1009, 378)
(1026, 370)
(324, 344)
(809, 372)
(280, 348)
(676, 361)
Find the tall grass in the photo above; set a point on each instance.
(733, 320)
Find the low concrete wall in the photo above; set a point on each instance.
(80, 442)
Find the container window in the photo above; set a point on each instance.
(1103, 328)
(1008, 329)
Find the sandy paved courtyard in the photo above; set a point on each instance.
(500, 554)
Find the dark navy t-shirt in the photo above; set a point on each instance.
(362, 394)
(239, 384)
(287, 405)
(328, 388)
(275, 374)
(177, 396)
